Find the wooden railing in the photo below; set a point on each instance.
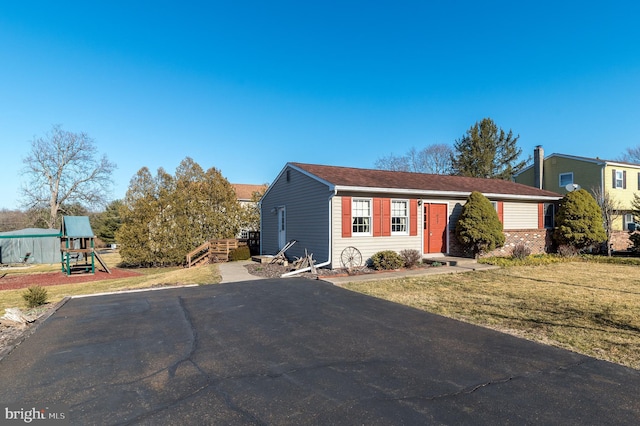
(211, 251)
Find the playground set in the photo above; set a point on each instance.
(77, 246)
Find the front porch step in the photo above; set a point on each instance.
(451, 260)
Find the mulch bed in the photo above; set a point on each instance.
(13, 282)
(275, 271)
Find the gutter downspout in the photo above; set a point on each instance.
(328, 262)
(260, 209)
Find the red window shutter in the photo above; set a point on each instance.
(501, 211)
(346, 217)
(377, 217)
(413, 217)
(386, 217)
(541, 216)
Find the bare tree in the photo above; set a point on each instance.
(62, 170)
(610, 208)
(10, 220)
(434, 159)
(631, 155)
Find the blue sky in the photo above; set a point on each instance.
(246, 86)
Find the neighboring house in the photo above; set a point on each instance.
(245, 194)
(329, 209)
(618, 179)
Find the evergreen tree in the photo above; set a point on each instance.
(635, 207)
(487, 152)
(479, 228)
(579, 222)
(634, 237)
(165, 217)
(105, 224)
(137, 211)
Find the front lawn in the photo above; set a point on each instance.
(584, 306)
(148, 278)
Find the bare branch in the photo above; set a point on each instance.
(62, 169)
(434, 159)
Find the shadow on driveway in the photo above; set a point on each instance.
(296, 351)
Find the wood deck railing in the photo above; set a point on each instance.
(211, 252)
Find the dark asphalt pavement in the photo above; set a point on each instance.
(299, 352)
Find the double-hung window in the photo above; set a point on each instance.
(399, 217)
(619, 176)
(566, 179)
(361, 216)
(549, 213)
(627, 219)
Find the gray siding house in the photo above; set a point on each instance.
(329, 210)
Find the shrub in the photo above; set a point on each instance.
(478, 228)
(520, 251)
(566, 250)
(410, 257)
(35, 296)
(635, 240)
(386, 259)
(532, 260)
(241, 253)
(579, 221)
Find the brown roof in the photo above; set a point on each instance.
(245, 191)
(369, 178)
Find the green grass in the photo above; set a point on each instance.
(588, 307)
(149, 278)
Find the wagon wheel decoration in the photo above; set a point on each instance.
(351, 258)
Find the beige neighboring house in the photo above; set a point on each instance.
(560, 172)
(244, 194)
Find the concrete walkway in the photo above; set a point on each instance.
(232, 272)
(449, 269)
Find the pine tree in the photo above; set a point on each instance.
(165, 217)
(106, 224)
(137, 211)
(579, 222)
(478, 228)
(487, 152)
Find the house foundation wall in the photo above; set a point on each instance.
(537, 240)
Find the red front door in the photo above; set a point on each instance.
(435, 228)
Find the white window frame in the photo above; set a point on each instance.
(561, 175)
(404, 219)
(619, 179)
(357, 211)
(627, 218)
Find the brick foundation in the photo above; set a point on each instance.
(538, 241)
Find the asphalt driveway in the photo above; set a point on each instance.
(299, 352)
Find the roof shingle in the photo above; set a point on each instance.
(369, 178)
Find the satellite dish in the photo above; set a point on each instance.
(572, 187)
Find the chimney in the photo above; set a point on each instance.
(538, 160)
